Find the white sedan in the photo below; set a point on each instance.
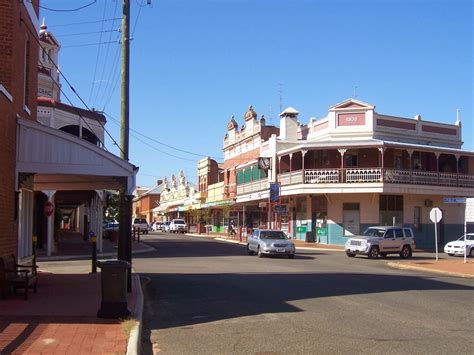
(456, 247)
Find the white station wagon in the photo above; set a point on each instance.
(456, 247)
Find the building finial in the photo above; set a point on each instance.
(43, 26)
(458, 117)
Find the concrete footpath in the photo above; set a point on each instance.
(450, 266)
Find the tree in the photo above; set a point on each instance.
(112, 208)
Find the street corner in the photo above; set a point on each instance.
(448, 267)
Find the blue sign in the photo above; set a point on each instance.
(274, 192)
(454, 200)
(281, 209)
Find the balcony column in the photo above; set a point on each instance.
(410, 162)
(303, 153)
(457, 156)
(382, 151)
(437, 164)
(291, 157)
(342, 152)
(279, 168)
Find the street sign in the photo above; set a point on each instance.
(274, 192)
(281, 209)
(454, 200)
(469, 210)
(436, 215)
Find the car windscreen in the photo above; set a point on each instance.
(272, 235)
(374, 232)
(468, 237)
(178, 221)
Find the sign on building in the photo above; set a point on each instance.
(274, 192)
(470, 210)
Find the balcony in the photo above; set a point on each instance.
(367, 175)
(253, 186)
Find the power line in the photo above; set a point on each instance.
(98, 52)
(161, 143)
(84, 23)
(106, 57)
(138, 16)
(67, 10)
(85, 33)
(88, 44)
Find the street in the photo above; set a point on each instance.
(206, 297)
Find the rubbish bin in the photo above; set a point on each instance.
(310, 237)
(113, 289)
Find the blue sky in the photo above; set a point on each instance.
(194, 64)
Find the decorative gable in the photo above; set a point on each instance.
(352, 104)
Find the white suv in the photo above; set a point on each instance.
(381, 241)
(178, 226)
(140, 224)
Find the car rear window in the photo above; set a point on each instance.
(408, 232)
(178, 221)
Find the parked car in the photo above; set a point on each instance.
(267, 242)
(108, 226)
(178, 226)
(141, 224)
(381, 241)
(165, 227)
(156, 226)
(456, 247)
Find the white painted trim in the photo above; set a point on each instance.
(32, 14)
(6, 93)
(27, 110)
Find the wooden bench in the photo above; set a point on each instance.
(15, 276)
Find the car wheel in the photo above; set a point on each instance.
(471, 254)
(259, 252)
(291, 256)
(373, 252)
(383, 255)
(406, 252)
(350, 255)
(250, 252)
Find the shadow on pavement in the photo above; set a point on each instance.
(188, 299)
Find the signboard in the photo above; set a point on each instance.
(48, 208)
(454, 200)
(281, 209)
(321, 232)
(436, 215)
(470, 210)
(262, 204)
(264, 163)
(274, 192)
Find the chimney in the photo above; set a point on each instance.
(289, 124)
(159, 182)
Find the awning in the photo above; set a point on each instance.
(61, 161)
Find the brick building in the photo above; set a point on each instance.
(18, 83)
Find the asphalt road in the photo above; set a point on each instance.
(209, 297)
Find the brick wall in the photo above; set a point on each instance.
(13, 35)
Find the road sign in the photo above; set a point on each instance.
(281, 209)
(470, 210)
(436, 215)
(454, 200)
(274, 192)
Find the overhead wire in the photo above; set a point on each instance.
(98, 52)
(106, 60)
(140, 6)
(83, 23)
(109, 80)
(84, 33)
(88, 44)
(66, 10)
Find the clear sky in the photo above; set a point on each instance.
(195, 63)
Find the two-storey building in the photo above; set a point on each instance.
(357, 167)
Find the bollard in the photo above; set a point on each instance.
(240, 234)
(94, 252)
(138, 235)
(133, 233)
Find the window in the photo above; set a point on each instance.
(417, 218)
(240, 177)
(247, 175)
(389, 234)
(350, 161)
(391, 210)
(408, 232)
(398, 233)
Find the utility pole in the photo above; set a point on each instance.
(125, 220)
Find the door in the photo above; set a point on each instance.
(388, 242)
(351, 219)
